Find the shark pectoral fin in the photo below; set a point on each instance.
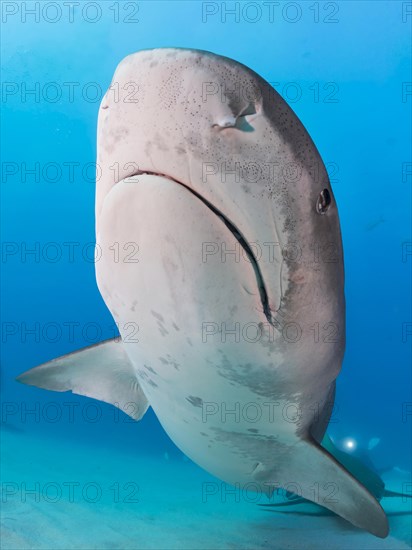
(102, 371)
(314, 474)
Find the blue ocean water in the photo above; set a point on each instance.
(345, 69)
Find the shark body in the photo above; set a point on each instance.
(220, 258)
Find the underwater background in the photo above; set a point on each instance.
(345, 69)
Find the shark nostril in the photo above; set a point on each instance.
(240, 121)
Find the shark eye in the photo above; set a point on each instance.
(323, 202)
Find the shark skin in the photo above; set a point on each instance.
(221, 261)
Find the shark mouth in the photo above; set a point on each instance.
(241, 239)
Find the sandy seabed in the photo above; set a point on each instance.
(57, 495)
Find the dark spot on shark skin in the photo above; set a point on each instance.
(170, 361)
(162, 330)
(161, 144)
(203, 433)
(195, 401)
(150, 369)
(262, 379)
(253, 430)
(175, 365)
(175, 326)
(160, 323)
(246, 446)
(146, 377)
(157, 315)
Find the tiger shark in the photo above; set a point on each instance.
(220, 259)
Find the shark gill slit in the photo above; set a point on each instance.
(236, 233)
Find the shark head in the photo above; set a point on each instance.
(216, 127)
